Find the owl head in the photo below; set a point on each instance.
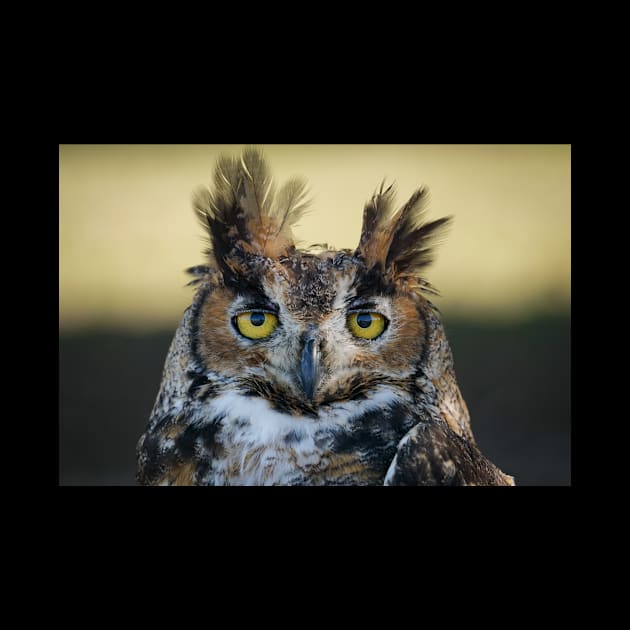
(307, 328)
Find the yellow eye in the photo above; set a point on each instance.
(366, 325)
(256, 324)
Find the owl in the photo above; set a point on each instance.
(309, 366)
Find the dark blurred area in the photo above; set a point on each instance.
(514, 377)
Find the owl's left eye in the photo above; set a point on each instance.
(256, 324)
(366, 325)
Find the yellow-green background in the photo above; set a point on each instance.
(127, 232)
(127, 228)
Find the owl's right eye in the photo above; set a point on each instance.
(256, 324)
(367, 325)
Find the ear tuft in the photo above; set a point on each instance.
(399, 243)
(242, 213)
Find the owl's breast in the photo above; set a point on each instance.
(273, 464)
(352, 444)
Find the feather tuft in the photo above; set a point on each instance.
(399, 244)
(243, 215)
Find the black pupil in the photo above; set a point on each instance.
(364, 320)
(257, 319)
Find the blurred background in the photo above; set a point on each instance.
(127, 231)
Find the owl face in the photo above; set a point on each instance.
(309, 330)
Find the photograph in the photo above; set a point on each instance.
(314, 314)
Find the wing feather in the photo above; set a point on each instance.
(433, 455)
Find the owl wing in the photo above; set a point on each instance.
(171, 449)
(431, 454)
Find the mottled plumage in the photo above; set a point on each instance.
(309, 367)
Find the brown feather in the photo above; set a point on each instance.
(399, 243)
(243, 214)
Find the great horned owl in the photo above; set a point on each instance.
(309, 367)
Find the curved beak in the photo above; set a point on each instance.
(309, 367)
